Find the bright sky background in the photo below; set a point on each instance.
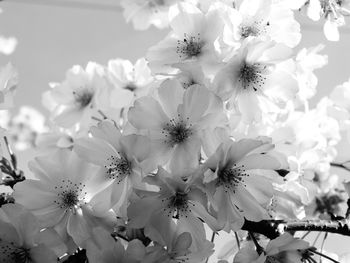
(52, 39)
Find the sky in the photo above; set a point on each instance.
(52, 39)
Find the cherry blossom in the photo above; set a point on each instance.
(60, 195)
(253, 76)
(179, 122)
(143, 14)
(191, 39)
(130, 81)
(123, 161)
(233, 180)
(261, 19)
(285, 248)
(175, 199)
(20, 238)
(74, 101)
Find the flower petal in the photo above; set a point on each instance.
(147, 114)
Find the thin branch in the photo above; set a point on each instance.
(237, 240)
(12, 155)
(305, 235)
(317, 237)
(323, 242)
(259, 249)
(274, 228)
(340, 165)
(323, 255)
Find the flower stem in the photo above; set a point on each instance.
(237, 240)
(12, 155)
(323, 255)
(259, 248)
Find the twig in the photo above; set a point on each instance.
(237, 240)
(274, 228)
(308, 232)
(12, 155)
(318, 235)
(340, 165)
(323, 255)
(259, 248)
(323, 242)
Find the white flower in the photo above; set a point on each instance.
(307, 60)
(144, 13)
(180, 123)
(254, 77)
(177, 249)
(8, 85)
(123, 161)
(106, 249)
(263, 19)
(190, 74)
(332, 11)
(74, 101)
(130, 81)
(20, 238)
(283, 249)
(191, 39)
(176, 199)
(234, 180)
(60, 195)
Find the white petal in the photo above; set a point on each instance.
(147, 114)
(330, 30)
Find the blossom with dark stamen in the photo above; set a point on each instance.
(233, 181)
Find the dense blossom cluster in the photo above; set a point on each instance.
(211, 132)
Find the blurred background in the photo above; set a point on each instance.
(54, 35)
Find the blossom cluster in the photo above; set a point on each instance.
(211, 130)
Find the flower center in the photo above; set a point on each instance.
(188, 83)
(118, 168)
(189, 47)
(250, 76)
(69, 194)
(177, 132)
(177, 204)
(229, 178)
(83, 97)
(246, 31)
(9, 253)
(253, 29)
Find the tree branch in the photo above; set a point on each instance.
(341, 165)
(274, 228)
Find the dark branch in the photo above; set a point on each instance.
(274, 228)
(341, 165)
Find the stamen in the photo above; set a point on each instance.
(177, 204)
(189, 47)
(229, 178)
(69, 196)
(250, 76)
(83, 97)
(253, 29)
(13, 254)
(118, 168)
(177, 132)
